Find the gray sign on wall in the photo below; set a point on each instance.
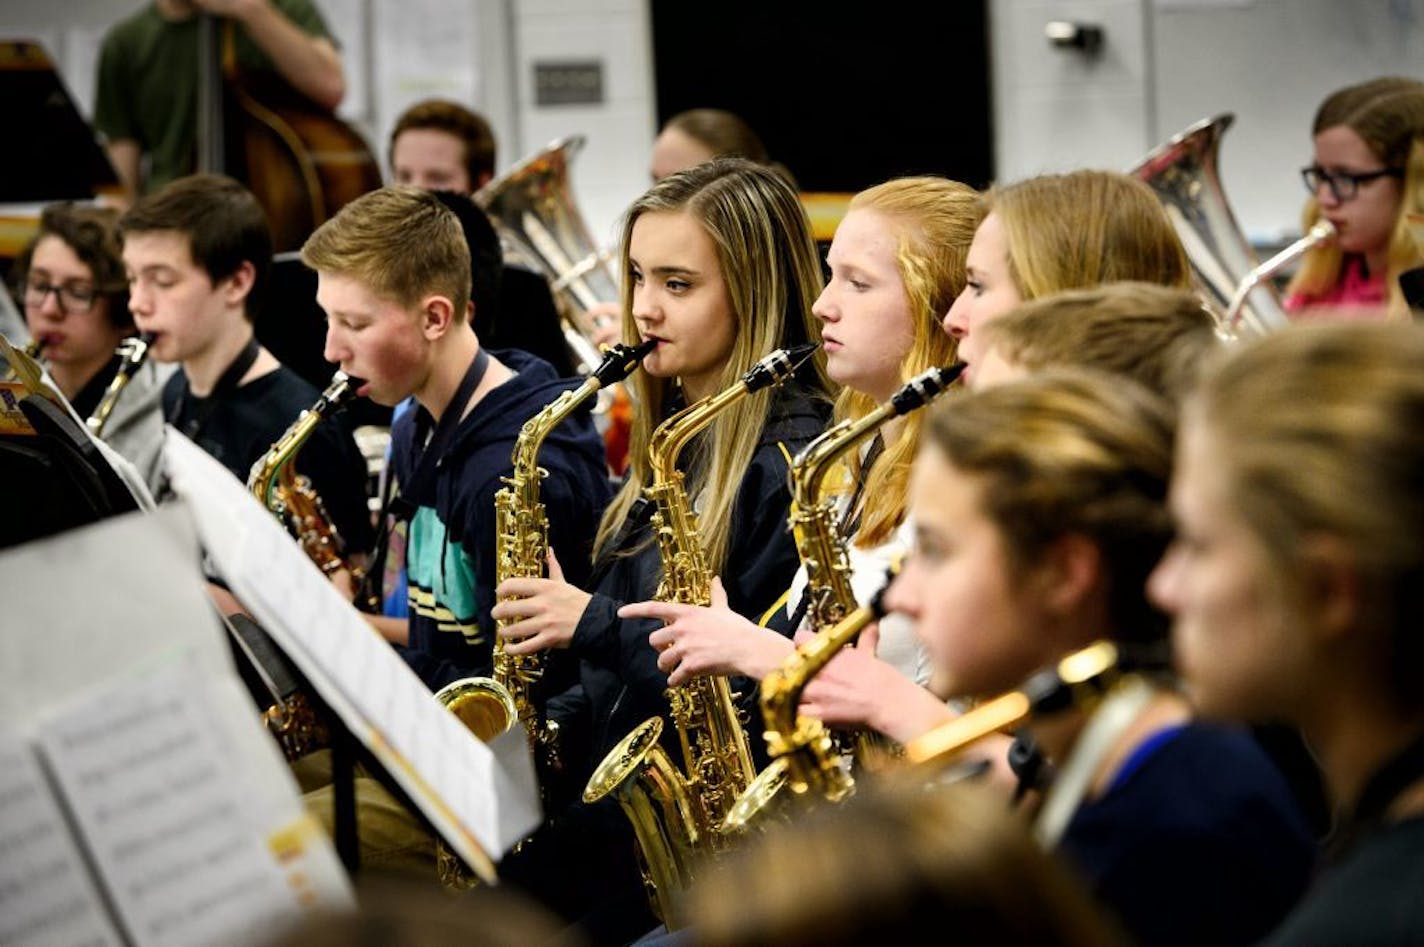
(572, 82)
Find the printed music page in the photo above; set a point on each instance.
(46, 893)
(481, 798)
(175, 802)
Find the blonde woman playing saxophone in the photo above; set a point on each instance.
(720, 267)
(897, 262)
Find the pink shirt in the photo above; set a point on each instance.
(1354, 296)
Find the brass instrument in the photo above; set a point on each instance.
(32, 349)
(803, 753)
(291, 498)
(1077, 680)
(534, 209)
(490, 705)
(132, 352)
(275, 482)
(1183, 174)
(677, 817)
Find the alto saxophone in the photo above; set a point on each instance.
(289, 495)
(803, 751)
(132, 352)
(677, 817)
(490, 705)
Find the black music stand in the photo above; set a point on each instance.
(51, 153)
(54, 471)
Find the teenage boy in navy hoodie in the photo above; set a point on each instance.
(394, 277)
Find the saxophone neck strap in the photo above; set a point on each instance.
(430, 447)
(433, 438)
(190, 413)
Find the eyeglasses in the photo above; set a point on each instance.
(1343, 184)
(74, 300)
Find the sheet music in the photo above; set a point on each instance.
(166, 815)
(46, 894)
(114, 672)
(474, 794)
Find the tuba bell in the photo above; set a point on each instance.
(533, 208)
(1233, 282)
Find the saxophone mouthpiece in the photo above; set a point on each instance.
(925, 387)
(778, 366)
(620, 361)
(342, 390)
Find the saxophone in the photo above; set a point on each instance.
(490, 705)
(272, 479)
(804, 756)
(275, 482)
(678, 817)
(132, 353)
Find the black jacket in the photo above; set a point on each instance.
(451, 555)
(620, 684)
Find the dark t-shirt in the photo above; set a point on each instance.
(1199, 842)
(147, 87)
(1371, 899)
(242, 426)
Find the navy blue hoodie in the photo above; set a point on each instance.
(451, 553)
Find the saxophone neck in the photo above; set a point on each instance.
(269, 468)
(132, 353)
(531, 436)
(672, 435)
(811, 467)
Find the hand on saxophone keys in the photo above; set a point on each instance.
(699, 641)
(545, 612)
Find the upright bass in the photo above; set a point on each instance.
(300, 160)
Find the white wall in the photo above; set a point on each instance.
(1168, 63)
(1165, 64)
(480, 52)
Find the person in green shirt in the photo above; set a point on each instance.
(146, 101)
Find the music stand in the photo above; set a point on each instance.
(52, 153)
(48, 462)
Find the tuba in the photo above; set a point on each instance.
(1233, 282)
(132, 352)
(534, 209)
(677, 817)
(801, 748)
